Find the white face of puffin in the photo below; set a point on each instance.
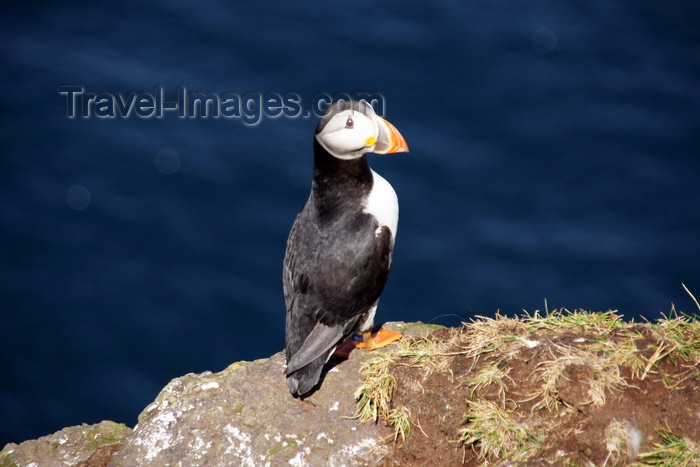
(351, 133)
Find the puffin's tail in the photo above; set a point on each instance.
(306, 378)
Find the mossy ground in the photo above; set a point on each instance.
(566, 388)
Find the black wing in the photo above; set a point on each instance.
(334, 272)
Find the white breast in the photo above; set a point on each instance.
(383, 204)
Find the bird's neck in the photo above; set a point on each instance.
(335, 175)
(336, 180)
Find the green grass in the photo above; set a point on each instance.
(673, 451)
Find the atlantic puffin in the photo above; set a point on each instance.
(339, 249)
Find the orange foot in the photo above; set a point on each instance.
(381, 339)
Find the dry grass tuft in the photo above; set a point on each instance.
(487, 376)
(622, 441)
(605, 376)
(498, 434)
(375, 394)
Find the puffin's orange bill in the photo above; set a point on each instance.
(389, 139)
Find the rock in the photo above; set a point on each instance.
(71, 446)
(245, 415)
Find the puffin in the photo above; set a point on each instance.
(340, 246)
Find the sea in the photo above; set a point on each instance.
(554, 164)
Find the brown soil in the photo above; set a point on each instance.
(572, 430)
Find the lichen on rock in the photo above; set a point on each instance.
(70, 446)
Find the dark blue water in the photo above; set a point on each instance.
(554, 155)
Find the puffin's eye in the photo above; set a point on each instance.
(349, 123)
